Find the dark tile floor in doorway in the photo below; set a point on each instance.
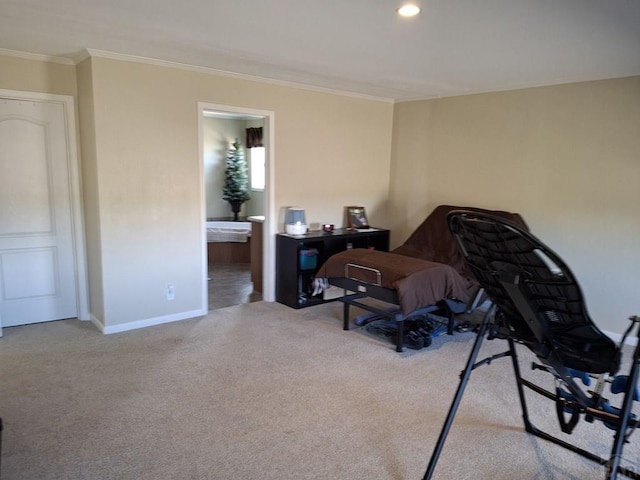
(230, 284)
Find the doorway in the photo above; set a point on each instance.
(42, 259)
(227, 278)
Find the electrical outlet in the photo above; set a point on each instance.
(171, 292)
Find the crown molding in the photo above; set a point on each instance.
(36, 56)
(90, 52)
(81, 57)
(525, 86)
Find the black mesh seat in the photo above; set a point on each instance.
(537, 302)
(537, 295)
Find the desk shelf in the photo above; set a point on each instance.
(294, 286)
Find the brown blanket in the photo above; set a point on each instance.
(432, 240)
(419, 283)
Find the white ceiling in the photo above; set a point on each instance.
(452, 47)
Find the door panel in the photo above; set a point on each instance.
(29, 274)
(24, 186)
(37, 266)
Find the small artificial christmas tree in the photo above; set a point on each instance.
(236, 179)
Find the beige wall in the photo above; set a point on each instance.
(565, 157)
(86, 120)
(138, 128)
(331, 151)
(35, 76)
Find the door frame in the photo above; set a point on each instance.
(269, 226)
(75, 186)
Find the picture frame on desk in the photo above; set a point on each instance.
(357, 218)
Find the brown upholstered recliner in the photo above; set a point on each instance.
(432, 240)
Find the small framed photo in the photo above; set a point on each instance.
(357, 217)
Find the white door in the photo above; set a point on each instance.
(37, 261)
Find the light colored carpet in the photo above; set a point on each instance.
(262, 391)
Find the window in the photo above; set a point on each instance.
(257, 168)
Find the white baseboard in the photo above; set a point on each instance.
(96, 321)
(149, 322)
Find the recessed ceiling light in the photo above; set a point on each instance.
(409, 10)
